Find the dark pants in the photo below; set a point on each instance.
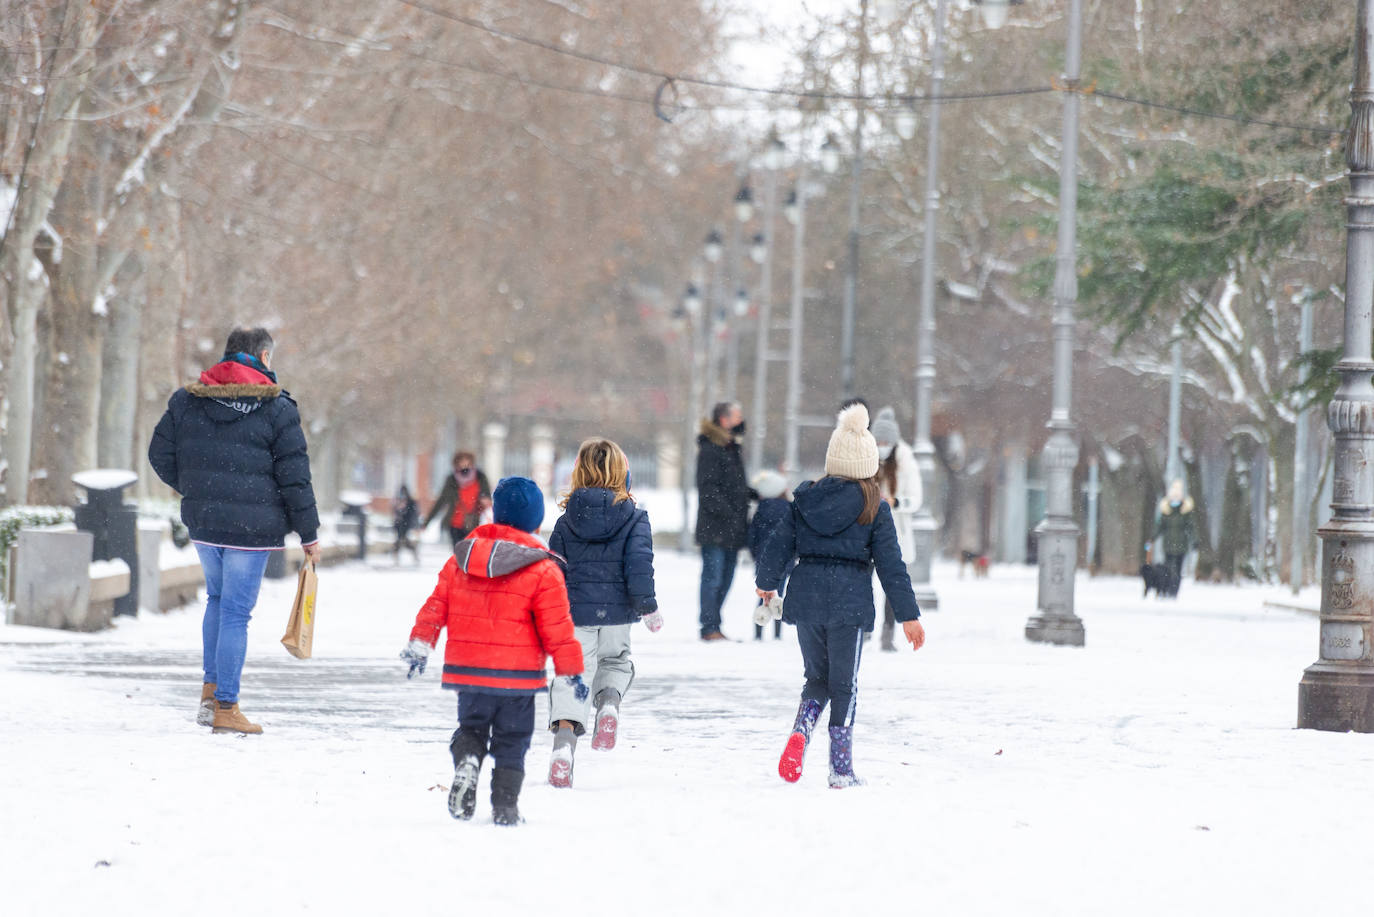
(458, 534)
(831, 658)
(889, 626)
(498, 724)
(1175, 563)
(717, 573)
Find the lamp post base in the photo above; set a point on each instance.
(1336, 698)
(926, 597)
(1056, 629)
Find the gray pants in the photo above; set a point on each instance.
(606, 664)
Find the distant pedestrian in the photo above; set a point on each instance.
(503, 601)
(899, 479)
(405, 518)
(462, 500)
(232, 446)
(839, 529)
(1176, 527)
(774, 503)
(606, 548)
(723, 496)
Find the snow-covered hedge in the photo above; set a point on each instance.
(14, 518)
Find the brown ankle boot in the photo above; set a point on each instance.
(205, 716)
(231, 720)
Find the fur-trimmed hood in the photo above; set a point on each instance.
(716, 433)
(234, 390)
(1166, 508)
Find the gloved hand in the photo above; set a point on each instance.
(654, 621)
(579, 690)
(417, 654)
(769, 609)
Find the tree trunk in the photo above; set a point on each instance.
(19, 269)
(119, 381)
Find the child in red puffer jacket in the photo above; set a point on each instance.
(503, 600)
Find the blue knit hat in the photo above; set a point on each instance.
(518, 503)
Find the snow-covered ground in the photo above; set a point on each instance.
(1156, 771)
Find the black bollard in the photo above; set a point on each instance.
(114, 524)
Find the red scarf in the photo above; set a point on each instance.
(466, 504)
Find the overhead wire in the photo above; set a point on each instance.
(668, 78)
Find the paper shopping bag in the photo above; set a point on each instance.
(300, 627)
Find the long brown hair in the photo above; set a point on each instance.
(600, 463)
(873, 498)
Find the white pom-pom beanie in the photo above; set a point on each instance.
(853, 453)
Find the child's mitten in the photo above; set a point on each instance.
(417, 654)
(579, 690)
(654, 621)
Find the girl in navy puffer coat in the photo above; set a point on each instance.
(839, 530)
(607, 554)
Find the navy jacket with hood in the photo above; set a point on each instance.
(608, 552)
(833, 580)
(232, 446)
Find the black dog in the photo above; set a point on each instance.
(1160, 578)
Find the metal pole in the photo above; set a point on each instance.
(1057, 552)
(1173, 463)
(759, 420)
(795, 327)
(714, 304)
(1094, 487)
(732, 321)
(689, 429)
(851, 275)
(1337, 691)
(923, 525)
(1297, 562)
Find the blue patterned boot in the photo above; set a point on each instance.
(790, 764)
(842, 757)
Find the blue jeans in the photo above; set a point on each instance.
(500, 724)
(232, 579)
(831, 658)
(717, 573)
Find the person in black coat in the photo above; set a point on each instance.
(606, 548)
(723, 496)
(405, 518)
(232, 446)
(839, 530)
(465, 496)
(774, 504)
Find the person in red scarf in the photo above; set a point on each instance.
(231, 445)
(463, 498)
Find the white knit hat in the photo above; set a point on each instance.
(769, 484)
(852, 453)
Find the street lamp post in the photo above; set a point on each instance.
(1337, 691)
(744, 212)
(772, 162)
(851, 273)
(923, 525)
(1057, 550)
(1173, 462)
(688, 317)
(796, 215)
(713, 249)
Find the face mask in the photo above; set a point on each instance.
(738, 429)
(465, 474)
(884, 452)
(628, 486)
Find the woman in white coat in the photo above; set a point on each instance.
(900, 481)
